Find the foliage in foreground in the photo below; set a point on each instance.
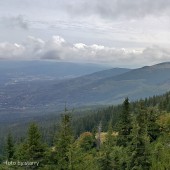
(142, 142)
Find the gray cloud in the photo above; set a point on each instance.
(119, 8)
(10, 51)
(103, 8)
(109, 22)
(58, 49)
(51, 55)
(15, 22)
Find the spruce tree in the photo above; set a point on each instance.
(9, 147)
(139, 146)
(153, 128)
(32, 149)
(36, 147)
(124, 126)
(63, 144)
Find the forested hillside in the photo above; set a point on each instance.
(100, 88)
(134, 135)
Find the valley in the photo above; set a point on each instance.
(105, 87)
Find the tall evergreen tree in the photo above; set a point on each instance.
(63, 144)
(32, 149)
(125, 125)
(153, 128)
(36, 147)
(9, 147)
(139, 147)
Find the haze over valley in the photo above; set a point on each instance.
(47, 86)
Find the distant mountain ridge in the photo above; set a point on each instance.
(153, 74)
(104, 87)
(44, 70)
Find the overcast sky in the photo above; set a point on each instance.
(123, 33)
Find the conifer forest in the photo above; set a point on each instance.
(130, 136)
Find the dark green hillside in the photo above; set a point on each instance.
(136, 84)
(92, 120)
(156, 74)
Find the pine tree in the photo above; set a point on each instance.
(153, 128)
(139, 146)
(36, 148)
(32, 149)
(9, 147)
(124, 126)
(63, 142)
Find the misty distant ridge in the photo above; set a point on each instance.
(107, 86)
(19, 71)
(162, 65)
(152, 74)
(159, 65)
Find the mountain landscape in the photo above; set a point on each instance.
(84, 85)
(109, 86)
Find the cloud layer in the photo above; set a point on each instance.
(15, 22)
(59, 49)
(118, 23)
(119, 8)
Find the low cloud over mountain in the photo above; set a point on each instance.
(57, 48)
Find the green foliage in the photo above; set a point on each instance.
(86, 141)
(32, 149)
(9, 147)
(125, 125)
(153, 128)
(160, 156)
(35, 145)
(142, 141)
(63, 144)
(110, 139)
(105, 159)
